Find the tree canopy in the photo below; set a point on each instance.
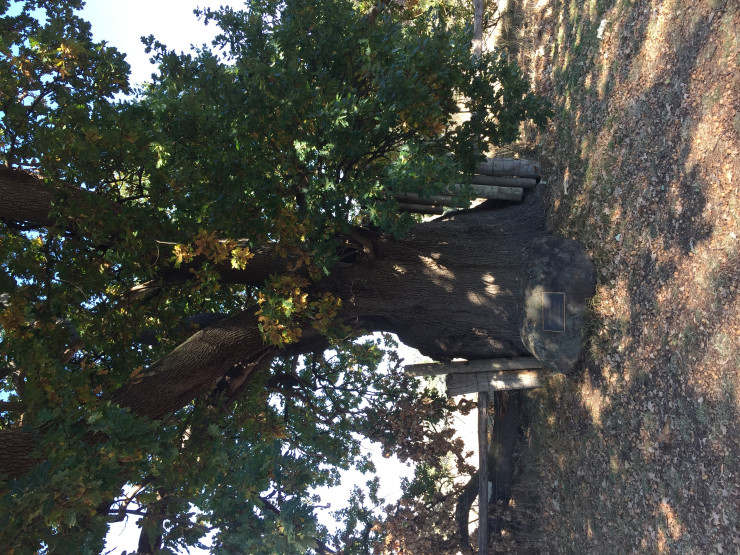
(173, 313)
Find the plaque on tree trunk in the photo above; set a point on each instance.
(553, 312)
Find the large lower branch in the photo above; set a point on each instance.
(195, 366)
(27, 199)
(192, 369)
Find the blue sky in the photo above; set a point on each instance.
(123, 23)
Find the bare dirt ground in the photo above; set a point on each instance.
(639, 451)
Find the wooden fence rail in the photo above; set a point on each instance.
(473, 366)
(495, 178)
(459, 384)
(511, 167)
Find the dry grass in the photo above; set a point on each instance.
(638, 451)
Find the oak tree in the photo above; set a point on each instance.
(185, 268)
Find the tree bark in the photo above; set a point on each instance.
(16, 453)
(450, 287)
(195, 366)
(204, 361)
(25, 198)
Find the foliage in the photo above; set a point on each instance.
(287, 134)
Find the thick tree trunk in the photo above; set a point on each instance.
(450, 288)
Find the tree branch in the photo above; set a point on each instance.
(27, 199)
(12, 406)
(195, 366)
(375, 12)
(16, 454)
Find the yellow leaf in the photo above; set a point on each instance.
(240, 257)
(275, 337)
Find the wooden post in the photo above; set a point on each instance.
(482, 376)
(483, 473)
(478, 28)
(493, 192)
(479, 191)
(438, 200)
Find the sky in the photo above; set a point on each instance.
(172, 22)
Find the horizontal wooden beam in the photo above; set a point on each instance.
(508, 167)
(460, 384)
(524, 182)
(420, 208)
(473, 366)
(439, 200)
(479, 191)
(492, 191)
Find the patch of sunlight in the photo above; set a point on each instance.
(602, 86)
(608, 50)
(614, 464)
(703, 134)
(675, 528)
(594, 401)
(441, 276)
(653, 51)
(490, 282)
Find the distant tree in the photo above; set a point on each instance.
(184, 273)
